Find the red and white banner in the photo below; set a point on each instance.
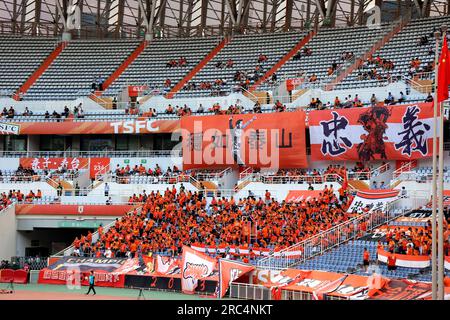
(245, 251)
(8, 128)
(291, 84)
(195, 266)
(406, 163)
(404, 260)
(134, 91)
(303, 195)
(98, 166)
(167, 265)
(401, 132)
(374, 199)
(275, 140)
(229, 271)
(73, 209)
(54, 163)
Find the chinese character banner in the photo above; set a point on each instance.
(54, 163)
(275, 140)
(383, 132)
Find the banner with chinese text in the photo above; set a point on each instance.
(372, 200)
(401, 132)
(68, 126)
(54, 163)
(275, 140)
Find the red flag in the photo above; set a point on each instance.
(229, 271)
(443, 73)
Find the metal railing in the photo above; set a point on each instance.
(406, 167)
(171, 179)
(91, 154)
(275, 179)
(249, 291)
(211, 175)
(324, 241)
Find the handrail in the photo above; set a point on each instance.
(381, 169)
(407, 166)
(325, 240)
(88, 154)
(247, 172)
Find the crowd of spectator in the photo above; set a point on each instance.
(182, 62)
(18, 196)
(414, 240)
(172, 219)
(122, 174)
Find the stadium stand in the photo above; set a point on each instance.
(351, 170)
(21, 56)
(79, 65)
(401, 49)
(150, 68)
(244, 51)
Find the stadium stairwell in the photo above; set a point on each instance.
(283, 60)
(197, 68)
(39, 71)
(358, 62)
(123, 66)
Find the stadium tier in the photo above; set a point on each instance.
(300, 159)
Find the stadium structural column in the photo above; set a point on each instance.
(434, 185)
(440, 258)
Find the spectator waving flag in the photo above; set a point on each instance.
(443, 73)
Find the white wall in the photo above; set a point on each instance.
(160, 103)
(8, 230)
(127, 190)
(57, 105)
(279, 191)
(163, 162)
(9, 163)
(25, 187)
(363, 93)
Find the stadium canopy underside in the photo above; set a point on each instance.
(184, 18)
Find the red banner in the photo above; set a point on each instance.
(68, 126)
(404, 260)
(195, 266)
(54, 163)
(303, 195)
(291, 84)
(72, 210)
(134, 91)
(229, 271)
(99, 166)
(401, 132)
(275, 140)
(401, 163)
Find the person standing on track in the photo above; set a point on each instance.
(91, 283)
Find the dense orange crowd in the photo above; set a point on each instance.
(8, 198)
(414, 240)
(170, 220)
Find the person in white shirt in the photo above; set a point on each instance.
(108, 253)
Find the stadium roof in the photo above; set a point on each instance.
(199, 17)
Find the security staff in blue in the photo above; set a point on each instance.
(91, 283)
